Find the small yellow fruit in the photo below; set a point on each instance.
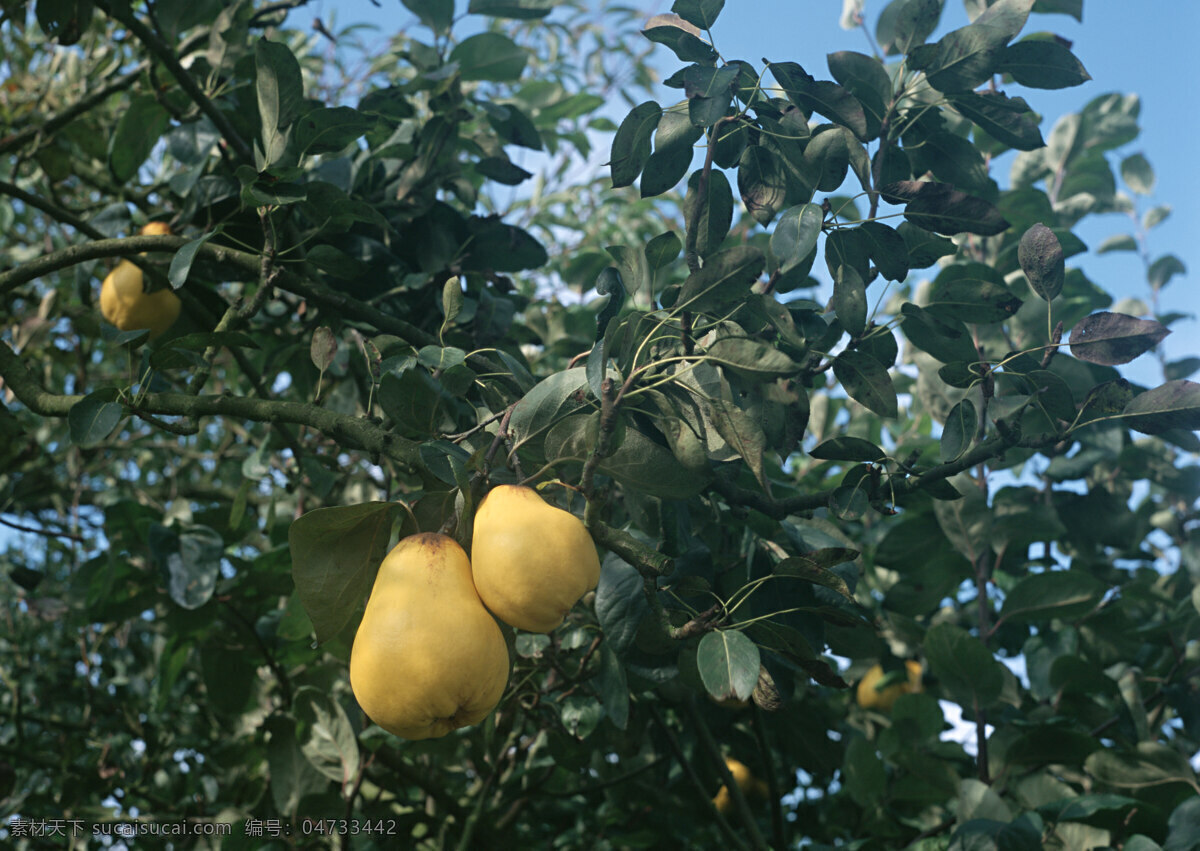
(532, 562)
(750, 785)
(427, 657)
(871, 697)
(125, 303)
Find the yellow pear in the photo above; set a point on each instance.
(427, 657)
(746, 781)
(531, 561)
(870, 696)
(125, 303)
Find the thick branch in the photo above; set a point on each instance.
(349, 431)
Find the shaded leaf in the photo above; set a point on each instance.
(92, 419)
(866, 381)
(850, 299)
(972, 292)
(1041, 259)
(517, 9)
(1009, 121)
(848, 449)
(1055, 594)
(1043, 65)
(821, 96)
(712, 213)
(1138, 174)
(682, 38)
(1114, 338)
(631, 144)
(1174, 405)
(489, 56)
(795, 235)
(964, 666)
(723, 281)
(959, 431)
(943, 209)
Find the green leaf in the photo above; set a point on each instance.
(438, 15)
(866, 382)
(850, 299)
(335, 554)
(620, 604)
(761, 183)
(723, 281)
(865, 78)
(92, 419)
(965, 58)
(795, 235)
(821, 96)
(700, 13)
(1148, 764)
(949, 157)
(293, 777)
(279, 88)
(1064, 594)
(502, 170)
(517, 9)
(613, 687)
(141, 125)
(905, 24)
(550, 400)
(1173, 405)
(681, 37)
(1043, 65)
(964, 666)
(887, 249)
(631, 144)
(1114, 338)
(514, 126)
(1119, 242)
(743, 433)
(945, 338)
(1009, 121)
(712, 213)
(943, 209)
(1163, 269)
(1074, 8)
(489, 56)
(325, 735)
(662, 250)
(1041, 259)
(848, 449)
(1138, 174)
(728, 663)
(815, 567)
(1155, 216)
(924, 248)
(189, 558)
(959, 431)
(181, 263)
(754, 359)
(972, 292)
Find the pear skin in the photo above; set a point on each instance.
(428, 658)
(125, 303)
(531, 561)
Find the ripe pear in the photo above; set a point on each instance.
(870, 696)
(750, 785)
(531, 561)
(125, 303)
(427, 657)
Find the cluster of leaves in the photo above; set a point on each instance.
(945, 467)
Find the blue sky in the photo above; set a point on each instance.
(1148, 51)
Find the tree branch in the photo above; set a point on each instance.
(165, 54)
(357, 432)
(61, 119)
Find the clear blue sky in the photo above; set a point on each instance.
(1147, 49)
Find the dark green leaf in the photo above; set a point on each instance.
(92, 419)
(1148, 764)
(943, 209)
(712, 214)
(613, 687)
(335, 554)
(181, 263)
(752, 358)
(1115, 338)
(1173, 405)
(1163, 269)
(945, 338)
(682, 38)
(502, 170)
(325, 735)
(821, 96)
(279, 87)
(631, 144)
(664, 169)
(1065, 594)
(795, 235)
(1138, 174)
(848, 449)
(959, 431)
(723, 282)
(866, 382)
(966, 58)
(438, 15)
(700, 13)
(924, 248)
(489, 56)
(141, 125)
(964, 666)
(189, 558)
(972, 292)
(761, 183)
(620, 604)
(905, 24)
(850, 299)
(662, 250)
(887, 249)
(1009, 121)
(1041, 259)
(1043, 65)
(517, 9)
